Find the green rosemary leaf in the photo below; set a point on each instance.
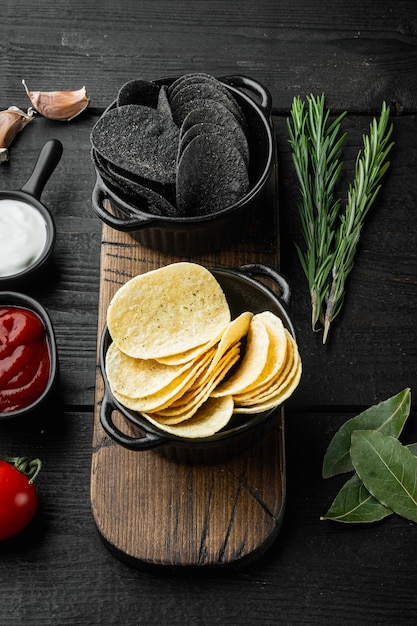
(331, 235)
(371, 165)
(316, 151)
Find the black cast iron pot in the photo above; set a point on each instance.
(244, 293)
(194, 235)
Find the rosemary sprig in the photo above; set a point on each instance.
(371, 165)
(316, 150)
(330, 236)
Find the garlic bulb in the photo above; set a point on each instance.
(59, 105)
(12, 121)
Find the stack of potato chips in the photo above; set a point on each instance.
(178, 358)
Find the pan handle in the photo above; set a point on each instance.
(47, 161)
(126, 224)
(257, 91)
(259, 269)
(148, 441)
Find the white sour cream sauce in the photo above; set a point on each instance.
(22, 236)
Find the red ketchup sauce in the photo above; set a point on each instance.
(24, 358)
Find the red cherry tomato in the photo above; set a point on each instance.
(18, 494)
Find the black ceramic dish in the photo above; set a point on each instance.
(30, 194)
(244, 293)
(195, 235)
(12, 298)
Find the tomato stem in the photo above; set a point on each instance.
(22, 464)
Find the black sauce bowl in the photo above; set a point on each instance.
(15, 299)
(30, 194)
(244, 293)
(196, 235)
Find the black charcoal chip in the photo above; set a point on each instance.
(210, 111)
(164, 106)
(138, 91)
(140, 140)
(209, 128)
(185, 100)
(191, 78)
(205, 128)
(211, 176)
(133, 186)
(139, 196)
(214, 113)
(167, 190)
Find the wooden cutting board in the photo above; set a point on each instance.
(157, 512)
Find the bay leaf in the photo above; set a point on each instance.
(387, 469)
(413, 448)
(388, 417)
(354, 504)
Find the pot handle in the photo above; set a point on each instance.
(101, 193)
(262, 96)
(149, 440)
(48, 159)
(259, 269)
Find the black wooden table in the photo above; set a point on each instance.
(358, 54)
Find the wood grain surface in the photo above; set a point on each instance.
(208, 515)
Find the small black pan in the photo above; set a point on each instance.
(244, 293)
(30, 194)
(185, 236)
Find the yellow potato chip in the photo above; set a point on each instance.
(205, 377)
(277, 394)
(163, 398)
(213, 415)
(236, 329)
(189, 355)
(184, 411)
(277, 350)
(255, 392)
(253, 361)
(167, 311)
(274, 401)
(232, 334)
(137, 378)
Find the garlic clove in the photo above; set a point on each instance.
(12, 121)
(59, 105)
